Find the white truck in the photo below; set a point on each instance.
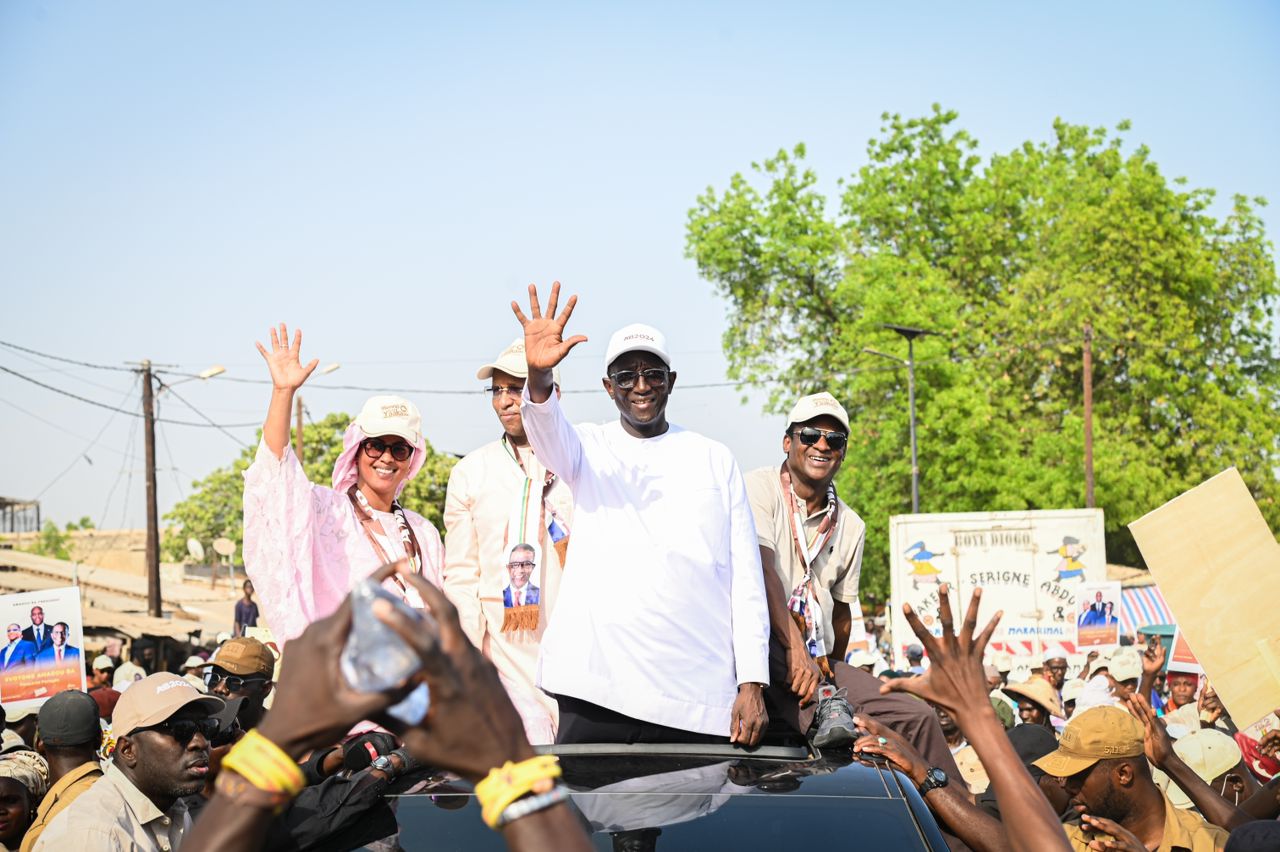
(1029, 564)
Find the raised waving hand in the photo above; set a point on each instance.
(544, 343)
(287, 372)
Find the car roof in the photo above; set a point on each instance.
(672, 797)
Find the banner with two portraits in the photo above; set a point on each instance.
(42, 653)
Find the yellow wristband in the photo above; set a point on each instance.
(506, 783)
(261, 762)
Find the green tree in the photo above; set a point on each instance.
(216, 505)
(1006, 259)
(52, 542)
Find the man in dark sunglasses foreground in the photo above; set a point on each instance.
(242, 668)
(811, 546)
(162, 726)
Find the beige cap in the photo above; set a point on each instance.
(861, 657)
(1041, 692)
(193, 662)
(154, 699)
(511, 361)
(1071, 689)
(1096, 734)
(1124, 663)
(1209, 753)
(243, 656)
(818, 405)
(102, 663)
(391, 415)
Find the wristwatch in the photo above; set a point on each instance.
(933, 779)
(382, 763)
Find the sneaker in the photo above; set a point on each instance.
(834, 719)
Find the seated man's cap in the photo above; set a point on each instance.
(636, 337)
(243, 656)
(1040, 691)
(69, 718)
(512, 362)
(1099, 733)
(391, 415)
(154, 699)
(818, 405)
(103, 663)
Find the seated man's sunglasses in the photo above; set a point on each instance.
(809, 436)
(183, 730)
(375, 447)
(626, 379)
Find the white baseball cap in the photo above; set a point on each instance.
(1055, 652)
(818, 405)
(391, 415)
(636, 337)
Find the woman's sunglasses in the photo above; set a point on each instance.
(375, 447)
(809, 436)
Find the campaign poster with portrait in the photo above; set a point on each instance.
(1098, 614)
(42, 654)
(522, 595)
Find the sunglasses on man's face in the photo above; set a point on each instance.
(496, 391)
(809, 436)
(234, 683)
(375, 447)
(521, 564)
(655, 377)
(182, 730)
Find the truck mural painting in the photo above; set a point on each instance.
(1029, 564)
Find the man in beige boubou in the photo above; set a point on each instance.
(499, 497)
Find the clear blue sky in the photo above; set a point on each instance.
(388, 176)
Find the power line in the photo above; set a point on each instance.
(137, 414)
(65, 360)
(207, 419)
(57, 426)
(84, 454)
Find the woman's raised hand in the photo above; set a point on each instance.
(287, 372)
(544, 343)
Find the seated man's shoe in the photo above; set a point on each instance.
(833, 722)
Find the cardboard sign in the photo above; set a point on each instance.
(1215, 560)
(1098, 615)
(42, 653)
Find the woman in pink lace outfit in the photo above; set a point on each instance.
(306, 545)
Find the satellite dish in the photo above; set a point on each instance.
(196, 549)
(224, 547)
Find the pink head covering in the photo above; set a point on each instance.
(345, 469)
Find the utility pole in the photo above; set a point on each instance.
(1088, 415)
(153, 515)
(297, 439)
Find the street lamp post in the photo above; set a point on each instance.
(910, 334)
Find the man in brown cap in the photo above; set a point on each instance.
(242, 668)
(69, 737)
(1101, 758)
(1038, 702)
(162, 726)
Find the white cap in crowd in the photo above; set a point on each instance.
(818, 405)
(103, 663)
(636, 337)
(1055, 652)
(391, 415)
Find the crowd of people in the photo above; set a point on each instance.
(615, 583)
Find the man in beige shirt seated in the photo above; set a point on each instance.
(1100, 756)
(69, 737)
(162, 726)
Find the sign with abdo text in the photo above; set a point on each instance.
(42, 655)
(1216, 562)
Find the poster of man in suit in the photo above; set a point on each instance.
(44, 657)
(1099, 621)
(522, 568)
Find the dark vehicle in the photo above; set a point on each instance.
(694, 797)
